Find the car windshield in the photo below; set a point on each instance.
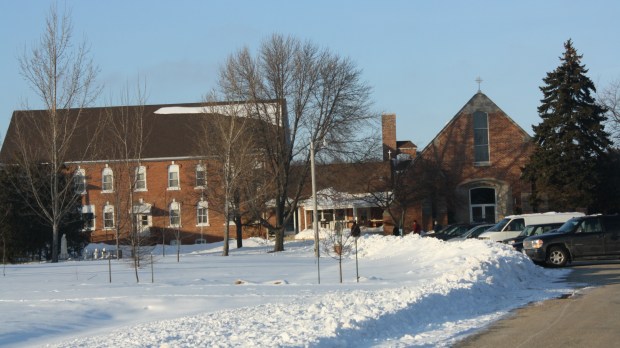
(454, 230)
(569, 226)
(476, 231)
(500, 225)
(459, 231)
(448, 230)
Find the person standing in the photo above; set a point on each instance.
(416, 227)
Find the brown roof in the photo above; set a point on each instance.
(170, 135)
(406, 144)
(348, 177)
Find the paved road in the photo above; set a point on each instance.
(589, 318)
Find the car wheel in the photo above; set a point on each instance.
(557, 256)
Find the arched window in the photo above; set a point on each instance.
(173, 177)
(482, 204)
(140, 183)
(108, 216)
(79, 181)
(107, 179)
(202, 213)
(175, 214)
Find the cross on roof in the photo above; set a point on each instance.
(479, 80)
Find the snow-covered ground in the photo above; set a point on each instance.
(412, 292)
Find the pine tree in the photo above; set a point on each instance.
(570, 141)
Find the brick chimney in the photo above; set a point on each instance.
(388, 132)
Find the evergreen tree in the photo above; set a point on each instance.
(570, 141)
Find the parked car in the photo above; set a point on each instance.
(512, 225)
(586, 237)
(452, 231)
(531, 230)
(473, 232)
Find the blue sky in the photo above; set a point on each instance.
(421, 57)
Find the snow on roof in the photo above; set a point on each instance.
(271, 110)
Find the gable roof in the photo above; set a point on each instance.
(173, 130)
(479, 102)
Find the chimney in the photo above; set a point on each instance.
(388, 132)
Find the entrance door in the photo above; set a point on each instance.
(482, 204)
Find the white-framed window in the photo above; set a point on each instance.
(481, 138)
(143, 217)
(175, 214)
(202, 213)
(88, 217)
(140, 184)
(173, 177)
(79, 181)
(107, 179)
(201, 176)
(108, 216)
(482, 204)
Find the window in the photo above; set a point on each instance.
(79, 181)
(202, 213)
(88, 217)
(516, 225)
(107, 180)
(201, 176)
(591, 226)
(144, 219)
(140, 184)
(173, 176)
(175, 214)
(481, 137)
(482, 204)
(108, 217)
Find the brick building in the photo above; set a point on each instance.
(165, 184)
(476, 160)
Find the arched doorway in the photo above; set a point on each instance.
(482, 204)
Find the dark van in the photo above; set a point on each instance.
(585, 237)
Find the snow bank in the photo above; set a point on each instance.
(412, 292)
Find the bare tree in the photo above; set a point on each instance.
(394, 192)
(610, 99)
(63, 76)
(339, 243)
(323, 98)
(127, 128)
(230, 141)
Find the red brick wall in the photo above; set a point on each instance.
(160, 197)
(453, 150)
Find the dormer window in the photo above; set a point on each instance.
(107, 180)
(173, 177)
(79, 181)
(481, 138)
